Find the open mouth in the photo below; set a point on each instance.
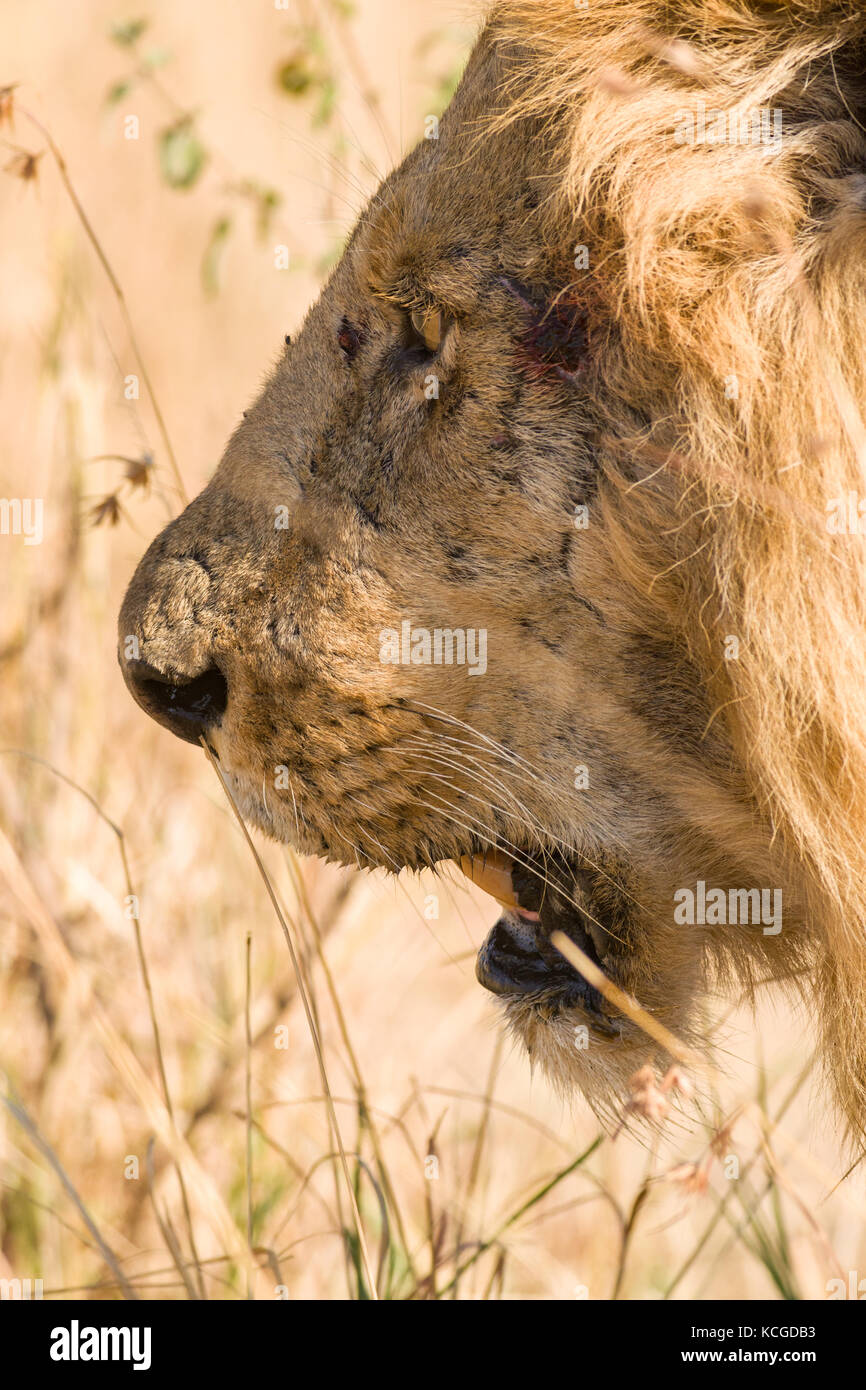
(541, 894)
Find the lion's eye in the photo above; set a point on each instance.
(349, 337)
(427, 328)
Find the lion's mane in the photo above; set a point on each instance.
(728, 285)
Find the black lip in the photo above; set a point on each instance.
(517, 962)
(509, 961)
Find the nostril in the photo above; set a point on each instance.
(187, 707)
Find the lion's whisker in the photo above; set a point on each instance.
(568, 848)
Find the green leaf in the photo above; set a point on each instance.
(294, 76)
(128, 32)
(312, 41)
(326, 103)
(212, 261)
(155, 58)
(118, 91)
(182, 156)
(267, 202)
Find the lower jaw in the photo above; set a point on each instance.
(518, 962)
(558, 988)
(566, 994)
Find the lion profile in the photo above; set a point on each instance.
(589, 379)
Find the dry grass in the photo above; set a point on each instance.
(180, 1045)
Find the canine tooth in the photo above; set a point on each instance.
(492, 872)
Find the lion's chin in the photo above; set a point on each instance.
(574, 1056)
(518, 963)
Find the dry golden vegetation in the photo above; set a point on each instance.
(165, 1129)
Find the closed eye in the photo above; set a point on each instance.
(425, 329)
(350, 338)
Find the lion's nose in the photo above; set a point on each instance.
(187, 707)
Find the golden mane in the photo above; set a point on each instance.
(732, 269)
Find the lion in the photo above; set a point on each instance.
(542, 551)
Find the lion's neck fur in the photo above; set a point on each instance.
(729, 277)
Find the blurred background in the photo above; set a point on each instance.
(176, 182)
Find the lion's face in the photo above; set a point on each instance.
(393, 615)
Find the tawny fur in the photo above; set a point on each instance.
(699, 387)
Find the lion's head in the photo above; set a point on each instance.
(523, 557)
